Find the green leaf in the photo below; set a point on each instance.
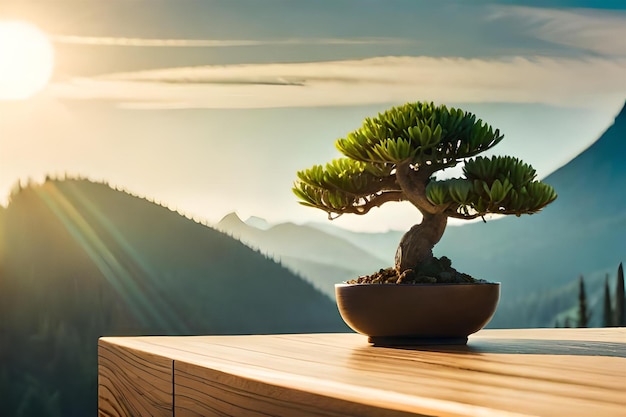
(437, 193)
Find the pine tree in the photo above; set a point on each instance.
(583, 315)
(567, 323)
(607, 317)
(620, 314)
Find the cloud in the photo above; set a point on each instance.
(599, 31)
(556, 81)
(216, 43)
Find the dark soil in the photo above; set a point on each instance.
(437, 270)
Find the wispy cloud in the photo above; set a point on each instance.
(600, 31)
(217, 43)
(557, 81)
(588, 65)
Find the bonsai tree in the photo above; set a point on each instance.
(394, 156)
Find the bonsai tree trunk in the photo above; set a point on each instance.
(416, 246)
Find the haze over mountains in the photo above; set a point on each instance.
(305, 250)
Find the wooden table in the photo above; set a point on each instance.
(538, 372)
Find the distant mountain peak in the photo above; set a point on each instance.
(622, 114)
(602, 161)
(258, 223)
(231, 218)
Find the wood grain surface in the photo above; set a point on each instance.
(538, 372)
(133, 382)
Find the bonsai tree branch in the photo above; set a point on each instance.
(365, 204)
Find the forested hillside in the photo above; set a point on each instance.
(79, 260)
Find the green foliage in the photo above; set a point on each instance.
(340, 183)
(394, 156)
(583, 314)
(428, 138)
(422, 133)
(620, 307)
(502, 185)
(607, 310)
(593, 296)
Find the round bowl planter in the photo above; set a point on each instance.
(417, 314)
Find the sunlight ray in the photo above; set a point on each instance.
(136, 261)
(142, 305)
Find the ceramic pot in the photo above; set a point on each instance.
(410, 314)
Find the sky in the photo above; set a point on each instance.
(211, 106)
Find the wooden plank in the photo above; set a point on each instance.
(133, 382)
(204, 392)
(547, 372)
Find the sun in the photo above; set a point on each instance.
(26, 60)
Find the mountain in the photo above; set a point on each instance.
(319, 257)
(597, 172)
(79, 260)
(379, 244)
(258, 223)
